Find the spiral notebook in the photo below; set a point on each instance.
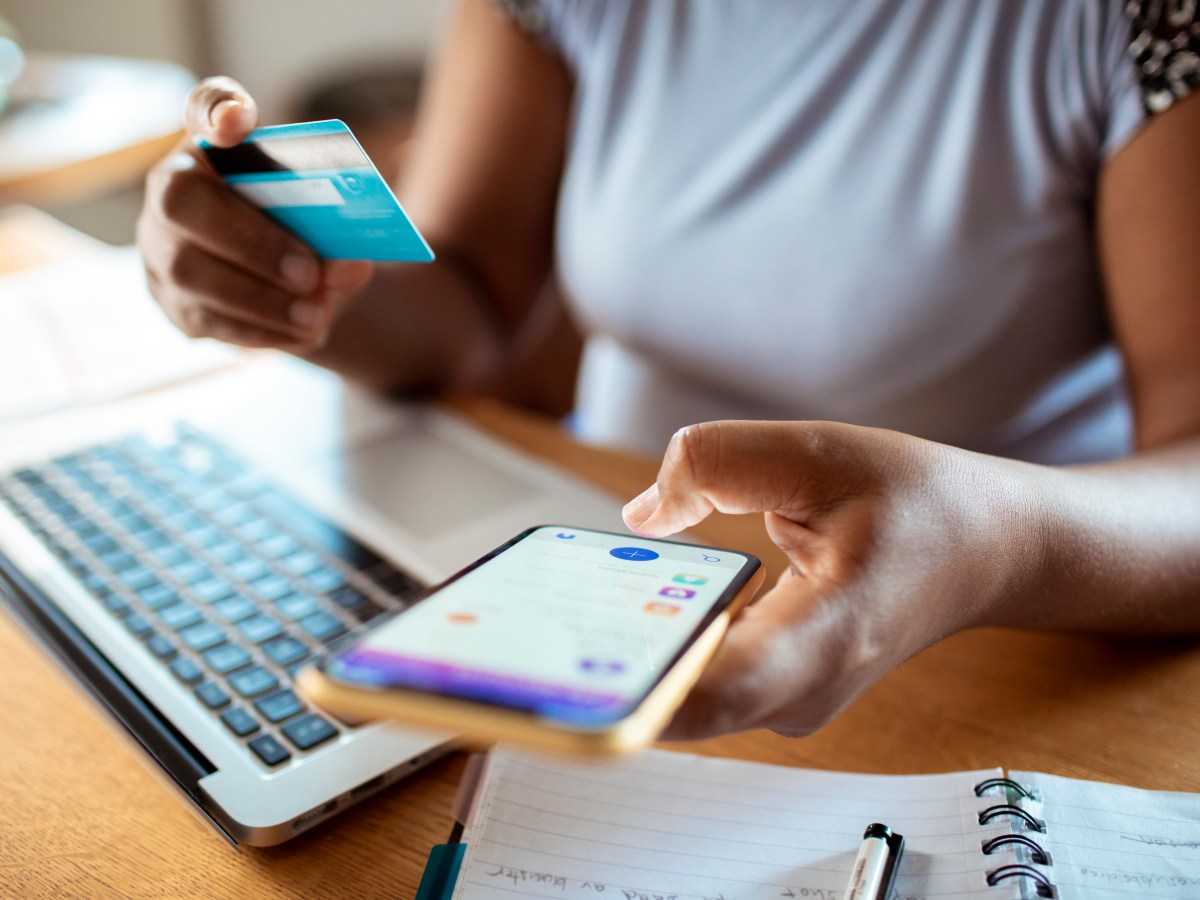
(673, 826)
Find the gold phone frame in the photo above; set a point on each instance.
(479, 722)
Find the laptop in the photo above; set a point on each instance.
(182, 554)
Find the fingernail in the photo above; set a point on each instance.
(219, 110)
(304, 314)
(641, 507)
(301, 272)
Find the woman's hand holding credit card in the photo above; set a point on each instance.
(272, 261)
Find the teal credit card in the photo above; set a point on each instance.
(315, 180)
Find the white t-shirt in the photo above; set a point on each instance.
(875, 212)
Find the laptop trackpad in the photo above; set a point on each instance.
(423, 483)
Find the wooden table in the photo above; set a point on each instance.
(81, 817)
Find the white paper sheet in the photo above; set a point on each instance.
(87, 329)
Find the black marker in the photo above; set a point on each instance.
(876, 864)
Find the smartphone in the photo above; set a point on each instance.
(563, 639)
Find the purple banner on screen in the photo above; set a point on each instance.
(375, 667)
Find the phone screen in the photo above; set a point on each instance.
(567, 623)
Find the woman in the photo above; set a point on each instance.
(965, 232)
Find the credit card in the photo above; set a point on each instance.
(315, 180)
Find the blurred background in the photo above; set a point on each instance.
(100, 91)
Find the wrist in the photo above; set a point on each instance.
(1011, 511)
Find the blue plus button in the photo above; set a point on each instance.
(633, 554)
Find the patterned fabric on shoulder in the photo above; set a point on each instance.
(525, 14)
(1165, 46)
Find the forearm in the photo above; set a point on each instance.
(417, 328)
(1116, 546)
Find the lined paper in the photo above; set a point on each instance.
(672, 826)
(1113, 842)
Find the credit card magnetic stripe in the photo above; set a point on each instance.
(315, 179)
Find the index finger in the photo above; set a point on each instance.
(730, 467)
(220, 111)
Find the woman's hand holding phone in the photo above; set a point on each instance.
(894, 543)
(218, 266)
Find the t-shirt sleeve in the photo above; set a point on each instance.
(1153, 55)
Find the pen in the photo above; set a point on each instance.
(876, 864)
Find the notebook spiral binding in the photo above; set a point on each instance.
(1036, 879)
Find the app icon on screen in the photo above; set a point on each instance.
(678, 593)
(655, 608)
(633, 554)
(686, 578)
(602, 666)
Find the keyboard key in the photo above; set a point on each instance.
(95, 585)
(171, 555)
(212, 590)
(269, 750)
(157, 596)
(160, 647)
(322, 626)
(211, 695)
(306, 733)
(180, 615)
(324, 580)
(188, 521)
(272, 588)
(207, 537)
(138, 578)
(166, 505)
(279, 546)
(347, 597)
(100, 544)
(226, 658)
(253, 681)
(249, 569)
(235, 515)
(116, 507)
(186, 670)
(256, 530)
(285, 650)
(239, 721)
(212, 500)
(84, 529)
(279, 706)
(297, 606)
(191, 572)
(227, 553)
(155, 539)
(202, 636)
(234, 609)
(356, 602)
(118, 561)
(115, 603)
(302, 563)
(134, 522)
(259, 628)
(138, 625)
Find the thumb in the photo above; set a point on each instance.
(220, 111)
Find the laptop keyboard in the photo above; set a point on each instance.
(227, 580)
